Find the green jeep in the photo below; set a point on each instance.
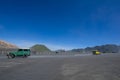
(19, 52)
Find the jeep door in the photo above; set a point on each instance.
(20, 52)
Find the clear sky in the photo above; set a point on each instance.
(60, 24)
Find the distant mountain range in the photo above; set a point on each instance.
(108, 48)
(4, 44)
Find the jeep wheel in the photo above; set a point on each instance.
(25, 56)
(12, 55)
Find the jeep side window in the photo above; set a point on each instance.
(26, 49)
(20, 50)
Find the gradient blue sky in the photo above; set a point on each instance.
(60, 24)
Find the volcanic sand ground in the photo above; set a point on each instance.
(91, 67)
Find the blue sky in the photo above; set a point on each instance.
(60, 24)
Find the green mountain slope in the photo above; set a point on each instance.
(40, 48)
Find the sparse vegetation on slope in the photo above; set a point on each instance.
(4, 44)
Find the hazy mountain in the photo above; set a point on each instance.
(108, 48)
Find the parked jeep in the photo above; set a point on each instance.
(19, 52)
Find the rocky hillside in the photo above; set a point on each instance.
(4, 44)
